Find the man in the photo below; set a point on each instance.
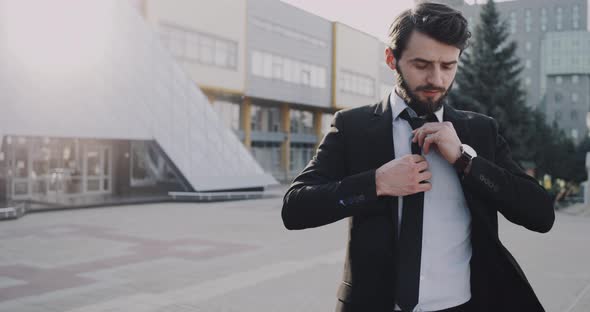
(422, 194)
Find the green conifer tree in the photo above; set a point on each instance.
(488, 81)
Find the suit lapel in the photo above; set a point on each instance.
(380, 149)
(380, 135)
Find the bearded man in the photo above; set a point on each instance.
(421, 184)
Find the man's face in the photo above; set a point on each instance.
(425, 72)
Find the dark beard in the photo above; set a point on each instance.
(422, 108)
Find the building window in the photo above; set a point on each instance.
(306, 75)
(357, 84)
(575, 79)
(229, 113)
(576, 16)
(192, 51)
(575, 60)
(193, 46)
(287, 32)
(277, 67)
(265, 119)
(575, 134)
(513, 22)
(528, 20)
(559, 18)
(527, 81)
(300, 155)
(206, 50)
(301, 121)
(558, 80)
(174, 39)
(573, 115)
(527, 63)
(527, 46)
(557, 116)
(257, 64)
(558, 98)
(574, 97)
(326, 123)
(543, 19)
(267, 65)
(268, 155)
(575, 43)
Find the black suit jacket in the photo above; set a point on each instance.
(339, 182)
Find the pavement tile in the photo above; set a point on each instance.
(227, 256)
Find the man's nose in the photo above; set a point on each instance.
(435, 76)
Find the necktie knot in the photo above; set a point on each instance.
(417, 122)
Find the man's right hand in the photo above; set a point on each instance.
(402, 176)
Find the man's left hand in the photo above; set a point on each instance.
(443, 136)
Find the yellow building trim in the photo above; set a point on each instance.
(317, 126)
(212, 89)
(286, 146)
(211, 97)
(247, 121)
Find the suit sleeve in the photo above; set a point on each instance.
(517, 196)
(323, 192)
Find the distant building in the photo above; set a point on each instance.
(553, 45)
(106, 115)
(274, 73)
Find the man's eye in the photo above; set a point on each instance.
(421, 66)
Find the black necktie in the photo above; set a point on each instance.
(410, 237)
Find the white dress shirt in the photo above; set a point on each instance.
(446, 239)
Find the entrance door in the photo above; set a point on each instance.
(20, 167)
(97, 166)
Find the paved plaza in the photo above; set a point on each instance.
(228, 256)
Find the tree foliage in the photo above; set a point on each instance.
(488, 81)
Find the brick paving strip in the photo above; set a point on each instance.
(33, 281)
(191, 296)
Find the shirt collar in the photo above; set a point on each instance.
(398, 105)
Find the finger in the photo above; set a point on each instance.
(425, 131)
(421, 166)
(423, 135)
(417, 158)
(424, 187)
(428, 125)
(431, 139)
(416, 133)
(424, 176)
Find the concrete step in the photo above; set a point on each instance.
(9, 211)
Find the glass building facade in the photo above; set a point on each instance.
(49, 171)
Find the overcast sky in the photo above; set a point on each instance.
(370, 16)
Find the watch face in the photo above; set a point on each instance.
(469, 150)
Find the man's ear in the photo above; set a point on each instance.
(390, 58)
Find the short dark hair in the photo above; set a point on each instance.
(438, 21)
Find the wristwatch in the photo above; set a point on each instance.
(467, 155)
